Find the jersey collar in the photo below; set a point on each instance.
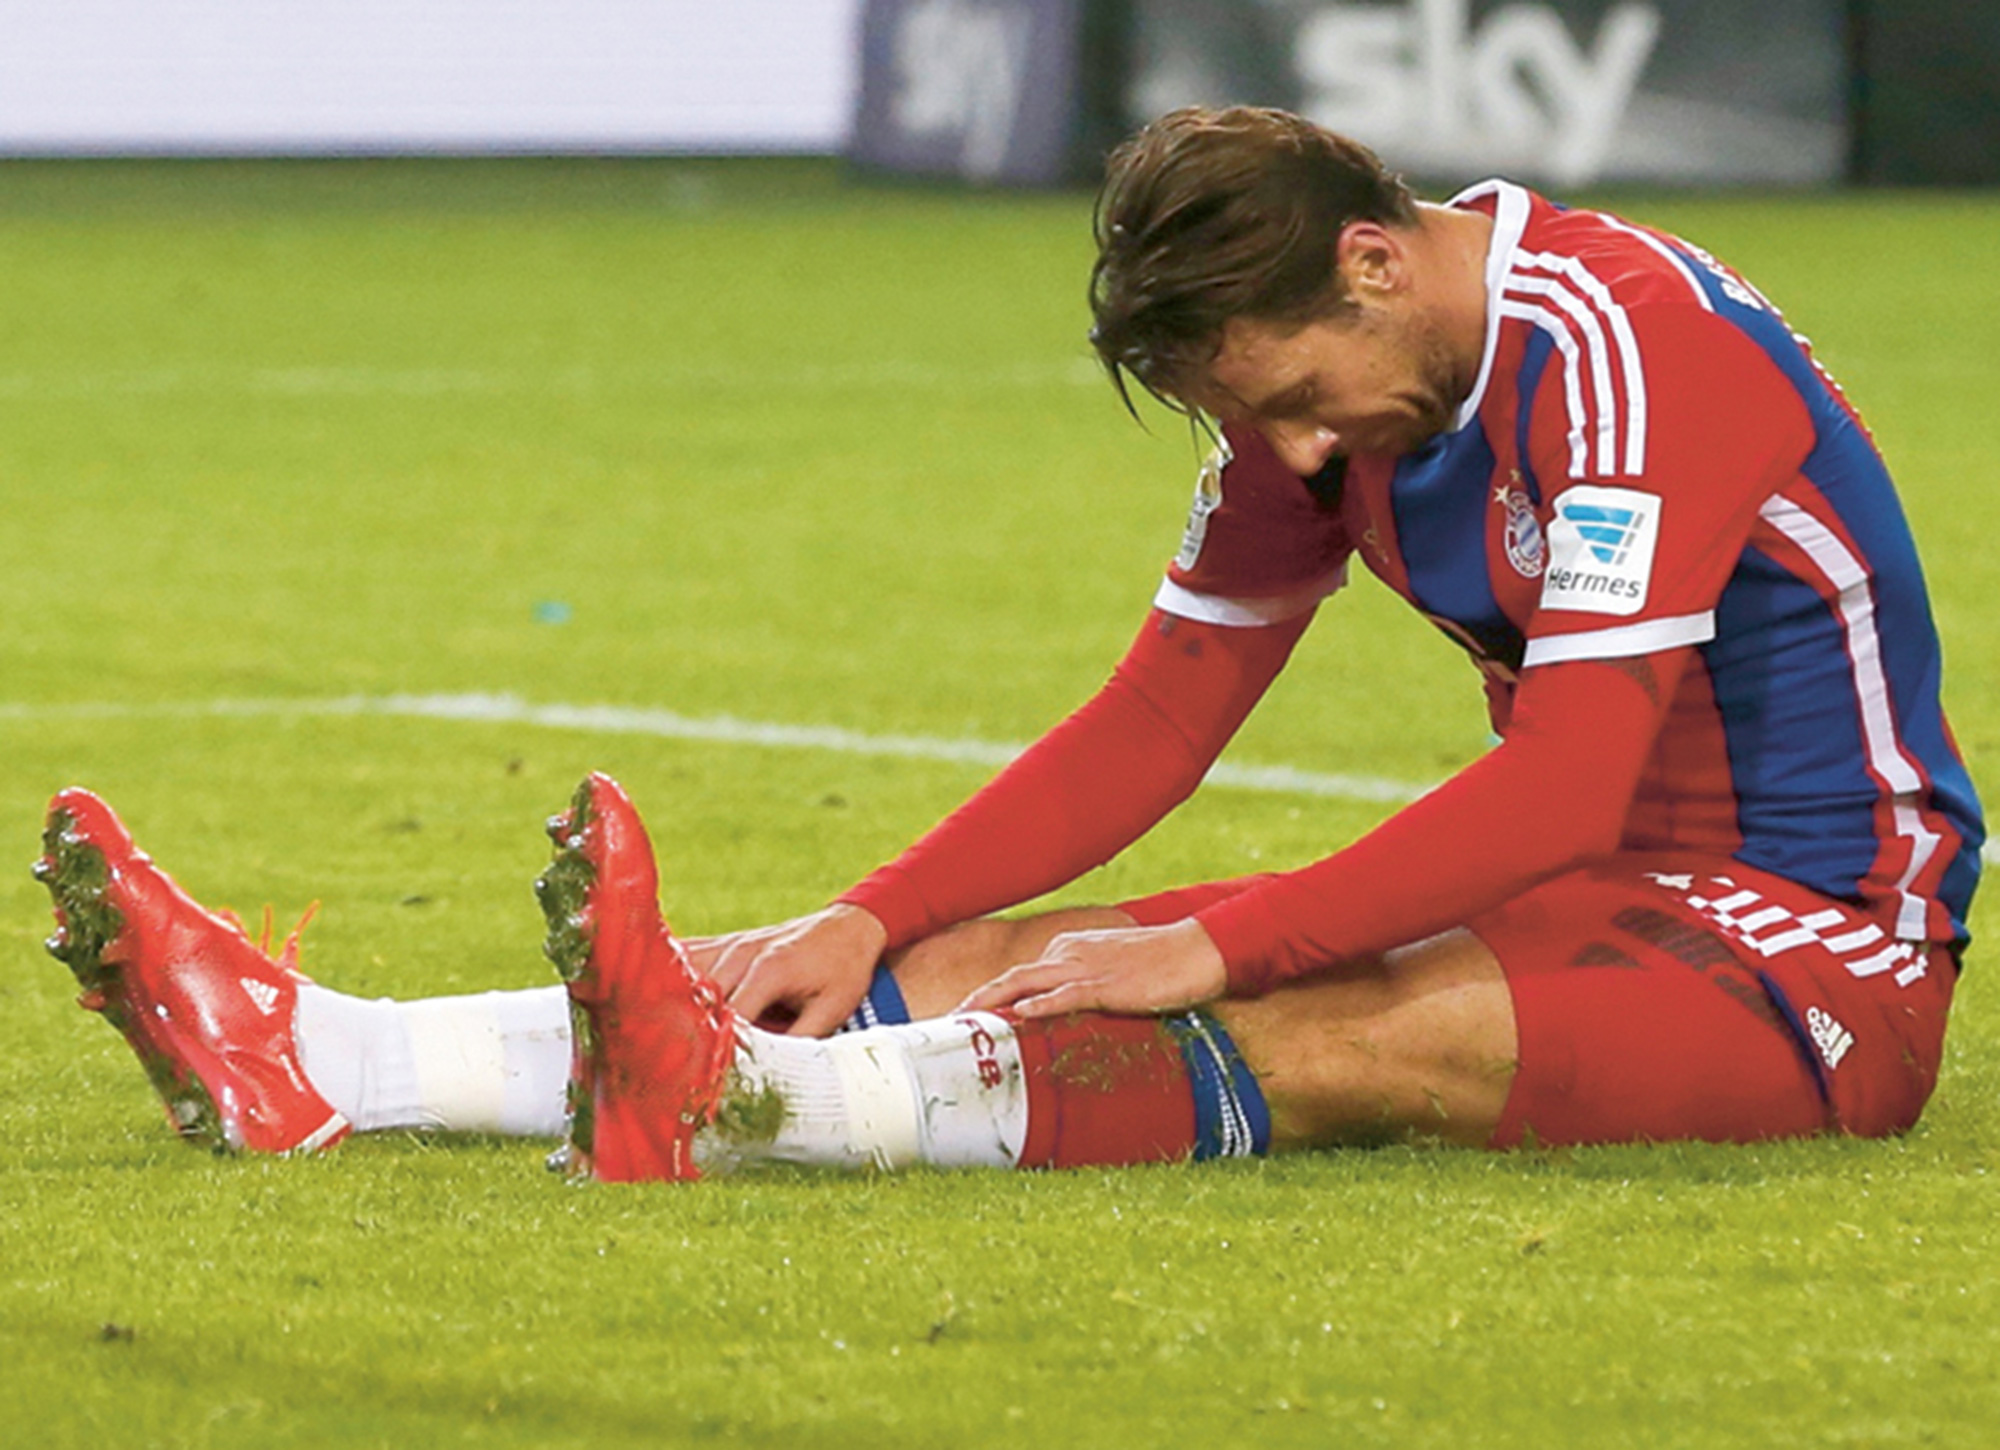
(1510, 218)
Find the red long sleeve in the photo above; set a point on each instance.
(1555, 793)
(1091, 786)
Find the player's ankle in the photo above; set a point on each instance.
(493, 1062)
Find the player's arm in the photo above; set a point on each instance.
(1087, 789)
(1092, 785)
(1555, 793)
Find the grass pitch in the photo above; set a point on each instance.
(744, 441)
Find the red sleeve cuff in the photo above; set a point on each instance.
(887, 895)
(1245, 930)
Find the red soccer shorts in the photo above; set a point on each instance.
(1682, 996)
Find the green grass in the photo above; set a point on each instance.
(797, 452)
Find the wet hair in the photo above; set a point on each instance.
(1208, 215)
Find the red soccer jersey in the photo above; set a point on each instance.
(1651, 460)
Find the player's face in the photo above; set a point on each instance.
(1381, 379)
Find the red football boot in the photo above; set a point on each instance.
(652, 1041)
(209, 1015)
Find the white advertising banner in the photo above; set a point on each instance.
(318, 76)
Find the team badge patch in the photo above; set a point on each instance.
(1207, 499)
(1527, 547)
(1600, 545)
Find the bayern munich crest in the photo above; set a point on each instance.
(1527, 547)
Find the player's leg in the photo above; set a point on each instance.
(1646, 999)
(931, 977)
(246, 1052)
(1596, 1009)
(668, 1081)
(486, 1062)
(1421, 1043)
(1600, 1007)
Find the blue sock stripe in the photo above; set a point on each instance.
(1230, 1116)
(882, 1007)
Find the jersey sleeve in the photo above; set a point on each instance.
(1571, 760)
(1092, 785)
(1655, 451)
(1262, 545)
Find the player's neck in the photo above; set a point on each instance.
(1454, 244)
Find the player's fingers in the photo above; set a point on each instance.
(821, 1016)
(758, 992)
(1063, 999)
(1091, 992)
(704, 952)
(732, 963)
(1016, 984)
(996, 994)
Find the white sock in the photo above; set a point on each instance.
(949, 1092)
(496, 1062)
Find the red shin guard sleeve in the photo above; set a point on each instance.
(1091, 786)
(1556, 792)
(1104, 1091)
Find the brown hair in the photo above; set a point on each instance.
(1209, 214)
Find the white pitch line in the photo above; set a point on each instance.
(723, 730)
(719, 729)
(887, 374)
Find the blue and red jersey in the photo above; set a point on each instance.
(1651, 460)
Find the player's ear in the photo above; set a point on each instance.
(1371, 259)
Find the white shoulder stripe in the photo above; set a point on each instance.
(1631, 366)
(1559, 333)
(1595, 357)
(1246, 613)
(1624, 641)
(1580, 305)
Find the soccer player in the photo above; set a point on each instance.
(1712, 883)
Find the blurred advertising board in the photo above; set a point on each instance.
(1559, 92)
(319, 76)
(987, 90)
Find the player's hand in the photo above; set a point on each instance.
(814, 970)
(1132, 970)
